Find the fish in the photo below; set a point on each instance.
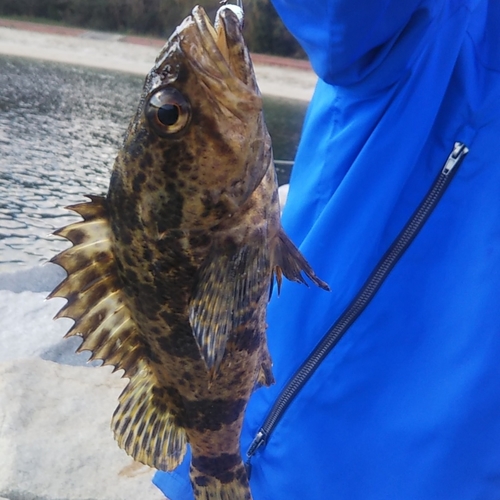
(169, 274)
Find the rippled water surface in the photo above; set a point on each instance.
(60, 129)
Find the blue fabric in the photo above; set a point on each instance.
(407, 405)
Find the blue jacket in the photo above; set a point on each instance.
(407, 404)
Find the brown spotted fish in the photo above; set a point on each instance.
(169, 274)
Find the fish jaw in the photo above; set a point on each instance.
(227, 48)
(219, 57)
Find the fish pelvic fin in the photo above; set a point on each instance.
(229, 287)
(212, 479)
(93, 290)
(287, 261)
(144, 427)
(265, 375)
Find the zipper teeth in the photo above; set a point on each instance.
(364, 297)
(353, 312)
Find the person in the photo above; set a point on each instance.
(406, 405)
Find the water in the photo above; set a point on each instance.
(60, 129)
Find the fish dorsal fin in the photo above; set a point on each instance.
(93, 290)
(287, 261)
(144, 427)
(229, 285)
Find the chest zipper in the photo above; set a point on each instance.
(360, 301)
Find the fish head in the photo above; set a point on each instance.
(198, 145)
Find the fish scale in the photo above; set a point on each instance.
(169, 274)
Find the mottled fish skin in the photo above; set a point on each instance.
(169, 275)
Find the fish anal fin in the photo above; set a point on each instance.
(229, 285)
(287, 261)
(144, 427)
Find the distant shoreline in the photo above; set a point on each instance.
(277, 76)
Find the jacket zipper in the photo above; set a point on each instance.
(361, 301)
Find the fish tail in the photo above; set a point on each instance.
(213, 480)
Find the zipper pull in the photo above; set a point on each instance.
(259, 440)
(456, 156)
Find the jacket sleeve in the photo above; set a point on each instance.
(347, 39)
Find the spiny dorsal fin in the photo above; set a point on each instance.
(144, 427)
(93, 290)
(229, 285)
(286, 260)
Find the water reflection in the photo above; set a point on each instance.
(60, 128)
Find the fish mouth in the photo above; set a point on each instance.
(217, 31)
(224, 45)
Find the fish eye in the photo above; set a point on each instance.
(167, 111)
(168, 114)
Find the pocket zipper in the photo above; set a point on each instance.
(360, 302)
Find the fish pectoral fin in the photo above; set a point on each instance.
(287, 261)
(144, 427)
(229, 287)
